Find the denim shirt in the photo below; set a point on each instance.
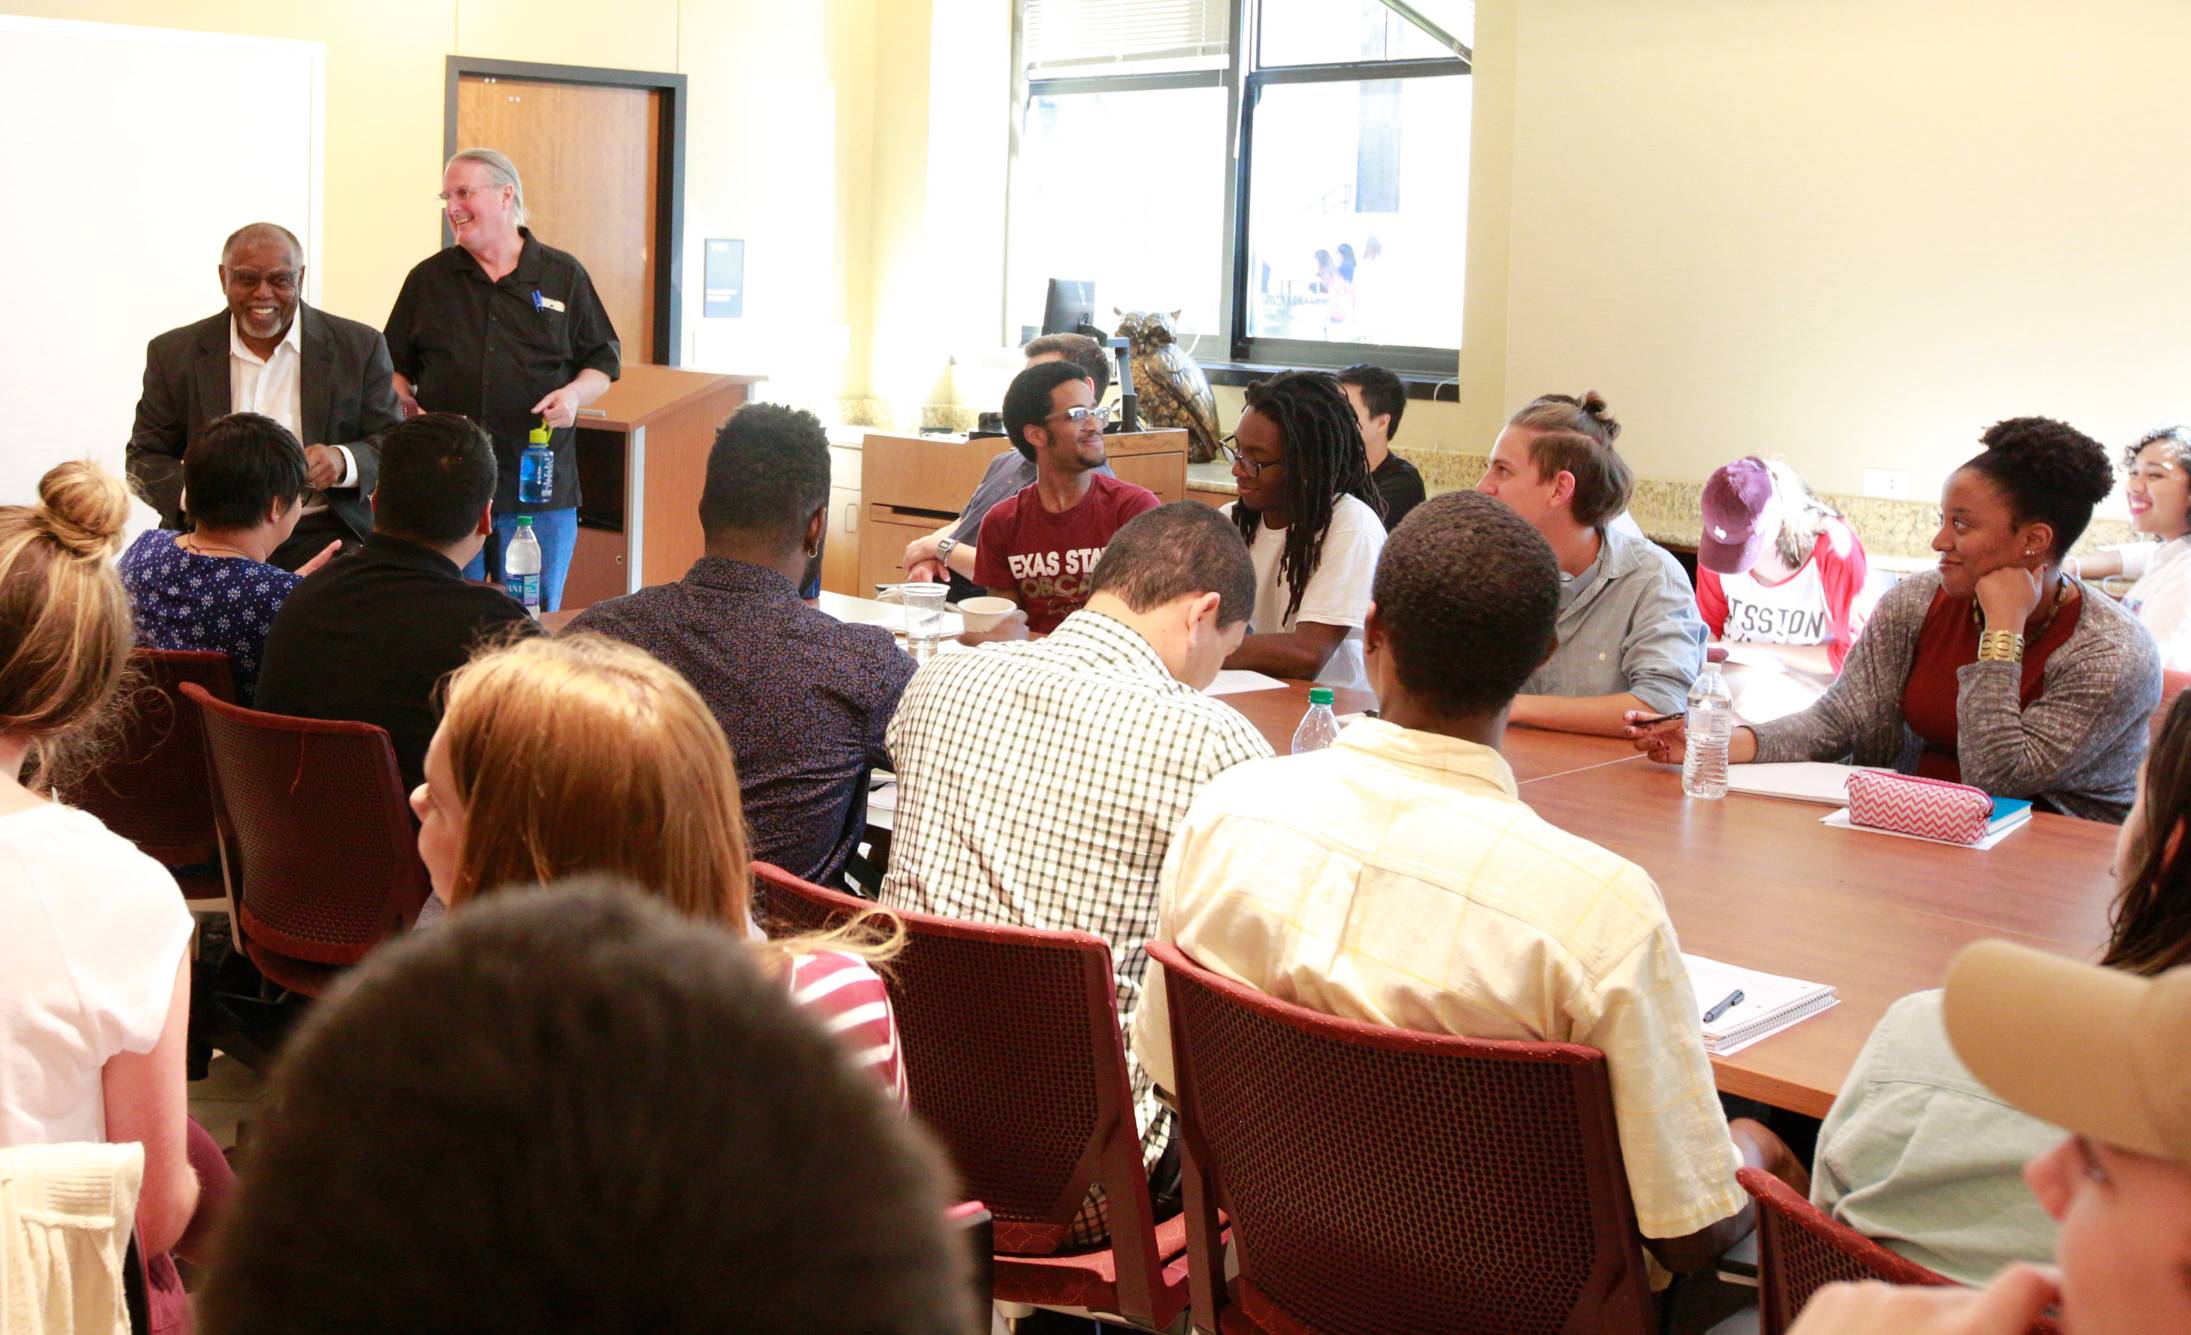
(1627, 623)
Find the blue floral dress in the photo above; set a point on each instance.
(183, 600)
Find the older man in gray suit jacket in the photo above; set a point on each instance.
(324, 378)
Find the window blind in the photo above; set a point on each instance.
(1082, 38)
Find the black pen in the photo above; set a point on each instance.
(1657, 719)
(1734, 998)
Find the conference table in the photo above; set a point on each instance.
(1760, 883)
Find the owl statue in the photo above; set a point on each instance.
(1172, 389)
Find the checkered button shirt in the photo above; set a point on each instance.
(1039, 785)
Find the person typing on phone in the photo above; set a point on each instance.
(1996, 670)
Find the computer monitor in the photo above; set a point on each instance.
(1071, 304)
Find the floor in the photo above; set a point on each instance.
(225, 1098)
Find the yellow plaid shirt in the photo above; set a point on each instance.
(1397, 878)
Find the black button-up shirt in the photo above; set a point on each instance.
(802, 696)
(491, 350)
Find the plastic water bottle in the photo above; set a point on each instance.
(521, 566)
(1318, 727)
(536, 469)
(1711, 725)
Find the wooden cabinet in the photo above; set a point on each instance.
(841, 553)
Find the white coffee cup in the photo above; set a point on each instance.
(983, 613)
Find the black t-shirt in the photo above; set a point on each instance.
(491, 350)
(1400, 486)
(366, 637)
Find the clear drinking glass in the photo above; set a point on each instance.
(923, 616)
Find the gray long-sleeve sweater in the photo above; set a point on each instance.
(2076, 749)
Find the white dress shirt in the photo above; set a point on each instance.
(274, 387)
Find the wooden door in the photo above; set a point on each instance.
(590, 157)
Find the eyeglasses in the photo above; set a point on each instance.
(281, 280)
(463, 193)
(1252, 467)
(1078, 415)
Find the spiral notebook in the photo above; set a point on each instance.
(1770, 1003)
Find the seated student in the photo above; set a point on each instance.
(574, 1110)
(216, 588)
(949, 551)
(802, 696)
(2098, 1052)
(580, 754)
(1629, 637)
(1779, 571)
(95, 952)
(1397, 878)
(1038, 783)
(1307, 511)
(2159, 489)
(368, 637)
(1922, 1157)
(1942, 684)
(1040, 545)
(1379, 400)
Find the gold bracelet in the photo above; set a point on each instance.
(2000, 646)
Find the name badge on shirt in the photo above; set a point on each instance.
(541, 303)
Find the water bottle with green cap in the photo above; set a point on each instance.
(536, 468)
(1319, 727)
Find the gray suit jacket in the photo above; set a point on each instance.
(345, 395)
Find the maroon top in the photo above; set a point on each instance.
(1046, 559)
(1947, 641)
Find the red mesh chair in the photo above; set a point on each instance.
(320, 842)
(1014, 1060)
(1385, 1182)
(151, 787)
(1800, 1250)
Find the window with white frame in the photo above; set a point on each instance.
(1290, 176)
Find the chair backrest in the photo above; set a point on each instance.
(151, 786)
(1014, 1059)
(1383, 1181)
(1800, 1250)
(314, 815)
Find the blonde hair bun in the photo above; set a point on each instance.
(83, 507)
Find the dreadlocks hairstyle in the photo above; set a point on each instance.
(1325, 459)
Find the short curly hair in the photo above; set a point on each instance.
(1466, 645)
(2049, 471)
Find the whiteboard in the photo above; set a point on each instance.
(130, 155)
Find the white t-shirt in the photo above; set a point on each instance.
(91, 933)
(2162, 596)
(1338, 589)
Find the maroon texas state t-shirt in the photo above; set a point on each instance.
(1047, 559)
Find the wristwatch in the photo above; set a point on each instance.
(943, 549)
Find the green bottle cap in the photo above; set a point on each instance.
(526, 521)
(1320, 695)
(540, 434)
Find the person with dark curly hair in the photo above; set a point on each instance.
(1998, 670)
(1313, 522)
(1397, 877)
(1630, 636)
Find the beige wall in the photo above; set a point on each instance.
(779, 146)
(1850, 233)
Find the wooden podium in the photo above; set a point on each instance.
(911, 484)
(642, 462)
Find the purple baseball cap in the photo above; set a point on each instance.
(1737, 522)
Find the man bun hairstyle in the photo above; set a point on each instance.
(1027, 399)
(2049, 471)
(1176, 550)
(1603, 482)
(1587, 416)
(1382, 394)
(1465, 642)
(65, 624)
(437, 472)
(767, 473)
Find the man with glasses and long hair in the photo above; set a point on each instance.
(323, 378)
(1039, 547)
